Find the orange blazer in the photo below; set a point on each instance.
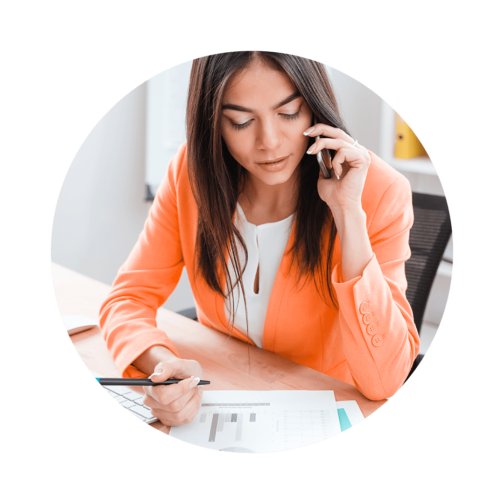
(369, 341)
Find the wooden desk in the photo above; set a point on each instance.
(227, 362)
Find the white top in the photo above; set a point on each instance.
(266, 245)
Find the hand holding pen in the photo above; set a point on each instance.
(176, 404)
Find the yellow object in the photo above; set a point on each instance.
(407, 144)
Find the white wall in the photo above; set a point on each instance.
(165, 126)
(360, 109)
(101, 208)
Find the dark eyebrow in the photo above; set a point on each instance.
(239, 108)
(293, 96)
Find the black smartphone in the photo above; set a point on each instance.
(323, 158)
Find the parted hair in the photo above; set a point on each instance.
(217, 179)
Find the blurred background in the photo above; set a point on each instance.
(110, 184)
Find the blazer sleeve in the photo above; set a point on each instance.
(145, 280)
(380, 339)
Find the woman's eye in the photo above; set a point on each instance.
(291, 116)
(240, 126)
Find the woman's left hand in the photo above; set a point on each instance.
(350, 163)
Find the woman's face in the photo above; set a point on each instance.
(263, 119)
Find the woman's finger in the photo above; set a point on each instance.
(345, 155)
(185, 415)
(328, 131)
(165, 394)
(192, 415)
(176, 368)
(327, 143)
(175, 405)
(192, 407)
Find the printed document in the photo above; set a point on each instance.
(262, 421)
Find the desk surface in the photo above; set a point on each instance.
(228, 363)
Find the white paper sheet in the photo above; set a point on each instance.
(261, 421)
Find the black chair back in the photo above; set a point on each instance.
(429, 236)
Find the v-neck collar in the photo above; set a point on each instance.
(275, 300)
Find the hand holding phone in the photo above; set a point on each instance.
(351, 162)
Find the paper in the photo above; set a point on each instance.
(349, 414)
(262, 421)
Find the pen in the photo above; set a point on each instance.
(90, 381)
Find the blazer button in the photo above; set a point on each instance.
(371, 329)
(364, 307)
(366, 318)
(377, 340)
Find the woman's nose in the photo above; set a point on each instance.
(269, 136)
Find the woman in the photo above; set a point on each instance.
(277, 255)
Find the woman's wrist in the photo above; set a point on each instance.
(149, 359)
(356, 251)
(346, 217)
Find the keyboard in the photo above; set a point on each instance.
(132, 401)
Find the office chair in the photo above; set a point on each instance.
(429, 236)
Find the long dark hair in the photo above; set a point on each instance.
(217, 179)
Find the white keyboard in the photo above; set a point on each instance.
(132, 401)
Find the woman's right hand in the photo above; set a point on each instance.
(176, 404)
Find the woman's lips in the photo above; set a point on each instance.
(274, 165)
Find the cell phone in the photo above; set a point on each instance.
(324, 161)
(323, 157)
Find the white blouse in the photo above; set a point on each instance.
(265, 246)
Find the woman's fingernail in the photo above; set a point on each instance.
(309, 151)
(308, 131)
(194, 382)
(159, 373)
(200, 390)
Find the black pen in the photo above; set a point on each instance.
(90, 381)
